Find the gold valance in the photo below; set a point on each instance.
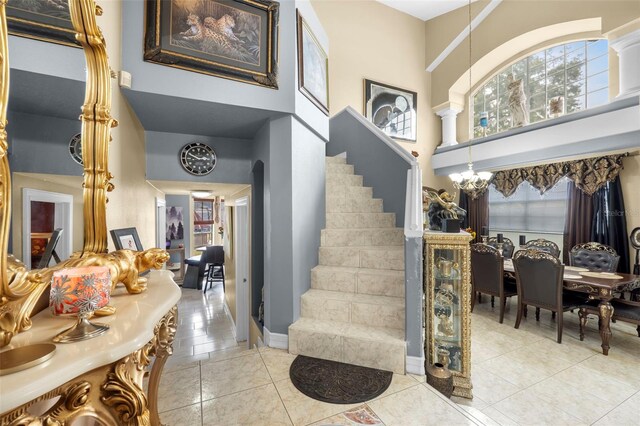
(589, 175)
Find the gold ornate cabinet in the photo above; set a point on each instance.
(447, 287)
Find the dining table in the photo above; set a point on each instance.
(601, 286)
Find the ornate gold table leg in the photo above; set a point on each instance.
(606, 311)
(165, 332)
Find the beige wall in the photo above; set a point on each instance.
(132, 203)
(370, 40)
(19, 182)
(630, 180)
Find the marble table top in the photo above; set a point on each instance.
(130, 329)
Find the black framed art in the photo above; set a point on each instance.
(126, 239)
(41, 20)
(392, 110)
(313, 66)
(233, 39)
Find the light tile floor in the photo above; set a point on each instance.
(519, 376)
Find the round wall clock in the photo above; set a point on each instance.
(75, 148)
(198, 159)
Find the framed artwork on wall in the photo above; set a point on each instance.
(391, 109)
(233, 39)
(175, 223)
(41, 20)
(126, 239)
(313, 67)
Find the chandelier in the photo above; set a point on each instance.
(472, 183)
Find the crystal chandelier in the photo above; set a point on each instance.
(472, 183)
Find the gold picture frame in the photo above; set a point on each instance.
(313, 66)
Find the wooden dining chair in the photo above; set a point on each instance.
(539, 279)
(595, 257)
(487, 276)
(543, 245)
(507, 246)
(215, 267)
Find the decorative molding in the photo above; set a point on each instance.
(415, 365)
(463, 34)
(276, 340)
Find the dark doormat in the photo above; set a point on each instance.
(337, 382)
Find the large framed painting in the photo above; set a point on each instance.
(313, 67)
(45, 20)
(391, 109)
(234, 39)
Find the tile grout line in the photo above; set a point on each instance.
(275, 387)
(201, 402)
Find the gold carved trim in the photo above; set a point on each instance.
(112, 393)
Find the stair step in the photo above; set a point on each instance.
(381, 282)
(338, 237)
(364, 309)
(345, 180)
(343, 191)
(335, 160)
(360, 220)
(354, 205)
(382, 257)
(374, 347)
(339, 169)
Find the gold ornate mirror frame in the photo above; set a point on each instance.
(20, 289)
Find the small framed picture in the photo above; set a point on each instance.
(126, 239)
(313, 67)
(391, 109)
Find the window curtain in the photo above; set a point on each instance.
(609, 225)
(578, 220)
(477, 212)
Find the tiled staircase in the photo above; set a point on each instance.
(354, 311)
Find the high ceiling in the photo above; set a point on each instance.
(425, 9)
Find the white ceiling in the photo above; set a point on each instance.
(425, 9)
(184, 188)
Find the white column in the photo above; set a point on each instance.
(448, 116)
(628, 49)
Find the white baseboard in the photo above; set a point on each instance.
(276, 340)
(228, 312)
(415, 365)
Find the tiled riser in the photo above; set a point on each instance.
(339, 169)
(344, 179)
(339, 190)
(363, 257)
(362, 237)
(388, 316)
(362, 281)
(353, 350)
(360, 220)
(353, 205)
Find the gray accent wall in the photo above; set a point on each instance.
(163, 158)
(293, 158)
(382, 168)
(413, 275)
(183, 201)
(40, 144)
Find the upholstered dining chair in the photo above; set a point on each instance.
(487, 274)
(539, 279)
(544, 245)
(623, 310)
(507, 246)
(595, 257)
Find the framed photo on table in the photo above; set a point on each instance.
(41, 20)
(126, 239)
(233, 39)
(392, 110)
(313, 67)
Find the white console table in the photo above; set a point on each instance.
(100, 377)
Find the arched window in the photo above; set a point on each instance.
(578, 72)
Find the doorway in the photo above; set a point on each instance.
(42, 212)
(161, 223)
(242, 268)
